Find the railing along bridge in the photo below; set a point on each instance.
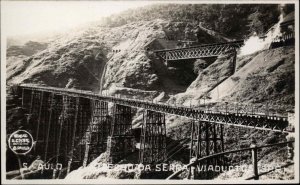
(74, 127)
(200, 51)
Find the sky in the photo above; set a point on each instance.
(30, 17)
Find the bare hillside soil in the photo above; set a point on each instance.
(266, 76)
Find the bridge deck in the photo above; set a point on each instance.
(237, 43)
(200, 51)
(257, 121)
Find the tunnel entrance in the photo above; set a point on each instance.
(184, 72)
(177, 75)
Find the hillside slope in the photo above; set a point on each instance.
(269, 76)
(116, 60)
(78, 59)
(266, 76)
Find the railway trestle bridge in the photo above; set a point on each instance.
(73, 127)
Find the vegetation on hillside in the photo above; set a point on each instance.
(84, 60)
(236, 20)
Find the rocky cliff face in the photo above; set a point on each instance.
(119, 61)
(115, 61)
(98, 57)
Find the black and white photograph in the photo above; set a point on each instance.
(149, 92)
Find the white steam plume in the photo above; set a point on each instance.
(254, 43)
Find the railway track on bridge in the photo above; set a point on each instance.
(249, 120)
(76, 126)
(200, 51)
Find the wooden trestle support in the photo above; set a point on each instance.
(73, 131)
(153, 138)
(99, 129)
(71, 128)
(121, 141)
(59, 125)
(72, 125)
(206, 139)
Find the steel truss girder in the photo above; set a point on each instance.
(121, 141)
(206, 139)
(95, 139)
(196, 52)
(257, 121)
(153, 138)
(122, 118)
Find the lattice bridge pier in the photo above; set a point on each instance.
(73, 127)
